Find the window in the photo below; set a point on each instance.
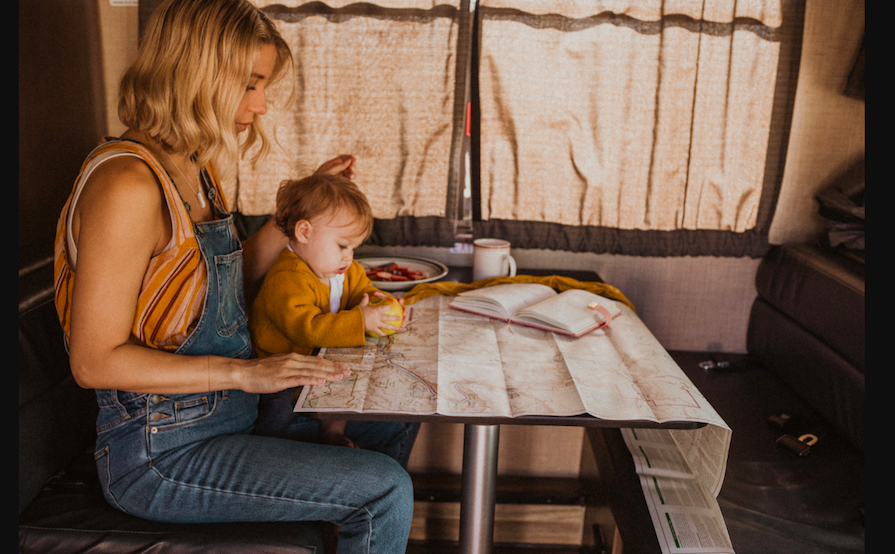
(387, 83)
(644, 127)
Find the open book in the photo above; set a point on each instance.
(573, 312)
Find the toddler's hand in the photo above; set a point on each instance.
(376, 318)
(403, 313)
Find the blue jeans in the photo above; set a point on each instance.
(183, 471)
(192, 458)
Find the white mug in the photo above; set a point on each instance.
(491, 258)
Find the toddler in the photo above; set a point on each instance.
(315, 295)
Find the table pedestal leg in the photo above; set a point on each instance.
(477, 498)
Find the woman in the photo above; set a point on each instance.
(149, 279)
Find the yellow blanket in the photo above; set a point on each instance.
(556, 282)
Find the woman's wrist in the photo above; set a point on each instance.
(226, 373)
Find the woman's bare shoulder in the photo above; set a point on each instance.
(123, 191)
(125, 172)
(125, 179)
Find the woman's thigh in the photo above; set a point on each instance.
(250, 478)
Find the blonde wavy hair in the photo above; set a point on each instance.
(191, 71)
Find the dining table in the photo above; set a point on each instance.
(481, 437)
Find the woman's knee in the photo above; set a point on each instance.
(384, 508)
(398, 481)
(406, 487)
(394, 506)
(395, 514)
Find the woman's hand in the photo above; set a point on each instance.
(341, 165)
(282, 371)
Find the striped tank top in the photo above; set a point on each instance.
(173, 291)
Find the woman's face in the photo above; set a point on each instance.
(254, 100)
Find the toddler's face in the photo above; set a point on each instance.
(330, 240)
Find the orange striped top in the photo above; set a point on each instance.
(173, 291)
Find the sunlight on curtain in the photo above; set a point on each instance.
(628, 114)
(376, 81)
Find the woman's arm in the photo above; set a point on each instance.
(259, 252)
(341, 165)
(121, 221)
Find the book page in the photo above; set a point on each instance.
(502, 300)
(568, 311)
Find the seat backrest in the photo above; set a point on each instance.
(56, 417)
(821, 290)
(807, 325)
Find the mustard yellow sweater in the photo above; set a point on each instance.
(291, 312)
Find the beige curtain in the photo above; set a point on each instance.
(628, 114)
(376, 81)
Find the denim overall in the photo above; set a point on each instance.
(148, 426)
(191, 458)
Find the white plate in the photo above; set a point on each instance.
(432, 270)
